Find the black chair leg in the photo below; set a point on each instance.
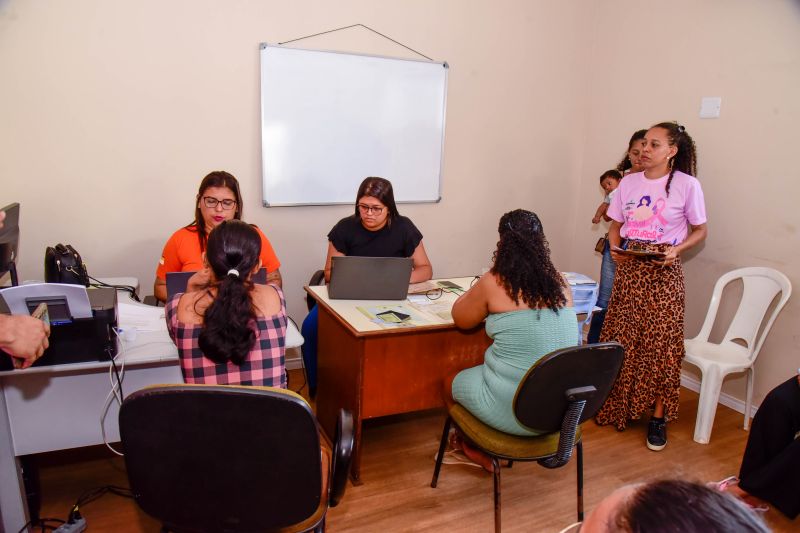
(440, 455)
(579, 460)
(496, 469)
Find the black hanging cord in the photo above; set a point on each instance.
(128, 288)
(363, 26)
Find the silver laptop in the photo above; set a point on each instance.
(369, 278)
(177, 281)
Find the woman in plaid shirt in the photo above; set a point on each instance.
(231, 331)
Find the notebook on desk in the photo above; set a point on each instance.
(177, 281)
(369, 278)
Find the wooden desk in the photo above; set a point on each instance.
(375, 372)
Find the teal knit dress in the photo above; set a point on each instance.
(520, 339)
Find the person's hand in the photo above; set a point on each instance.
(668, 259)
(596, 220)
(24, 338)
(618, 257)
(200, 280)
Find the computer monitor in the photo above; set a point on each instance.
(9, 243)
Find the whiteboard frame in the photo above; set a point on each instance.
(398, 198)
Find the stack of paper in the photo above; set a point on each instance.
(574, 278)
(141, 317)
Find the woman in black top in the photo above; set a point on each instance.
(376, 229)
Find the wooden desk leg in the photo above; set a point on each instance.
(340, 362)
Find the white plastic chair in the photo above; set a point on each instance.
(740, 346)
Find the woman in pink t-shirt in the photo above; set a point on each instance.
(652, 211)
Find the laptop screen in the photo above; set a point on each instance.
(369, 278)
(177, 281)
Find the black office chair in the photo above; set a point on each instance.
(562, 390)
(231, 458)
(317, 278)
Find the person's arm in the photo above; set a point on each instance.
(472, 307)
(23, 337)
(275, 277)
(567, 291)
(199, 281)
(269, 260)
(168, 262)
(697, 236)
(600, 214)
(160, 289)
(332, 252)
(614, 241)
(422, 269)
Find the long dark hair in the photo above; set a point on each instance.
(226, 334)
(218, 178)
(522, 262)
(677, 505)
(381, 189)
(685, 159)
(625, 164)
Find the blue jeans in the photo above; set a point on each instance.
(310, 335)
(607, 270)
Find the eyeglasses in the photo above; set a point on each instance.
(369, 209)
(211, 202)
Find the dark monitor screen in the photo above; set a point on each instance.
(9, 242)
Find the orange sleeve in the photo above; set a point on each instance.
(268, 258)
(169, 261)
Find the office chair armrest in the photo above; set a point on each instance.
(566, 438)
(342, 455)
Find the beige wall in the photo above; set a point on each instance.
(112, 111)
(656, 64)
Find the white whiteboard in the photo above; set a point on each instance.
(331, 119)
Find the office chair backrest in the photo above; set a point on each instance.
(219, 458)
(540, 401)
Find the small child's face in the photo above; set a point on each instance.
(609, 184)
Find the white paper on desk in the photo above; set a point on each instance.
(141, 317)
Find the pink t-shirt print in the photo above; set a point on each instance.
(648, 214)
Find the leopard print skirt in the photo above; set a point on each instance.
(645, 315)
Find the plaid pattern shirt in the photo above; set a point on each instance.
(263, 366)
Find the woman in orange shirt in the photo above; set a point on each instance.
(218, 199)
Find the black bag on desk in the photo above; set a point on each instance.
(63, 264)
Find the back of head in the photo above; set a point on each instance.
(671, 505)
(522, 262)
(614, 174)
(381, 189)
(233, 253)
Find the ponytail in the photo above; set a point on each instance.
(234, 248)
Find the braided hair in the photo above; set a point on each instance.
(625, 164)
(233, 252)
(685, 159)
(522, 262)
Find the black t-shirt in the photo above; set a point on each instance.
(398, 239)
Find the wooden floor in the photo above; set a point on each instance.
(397, 467)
